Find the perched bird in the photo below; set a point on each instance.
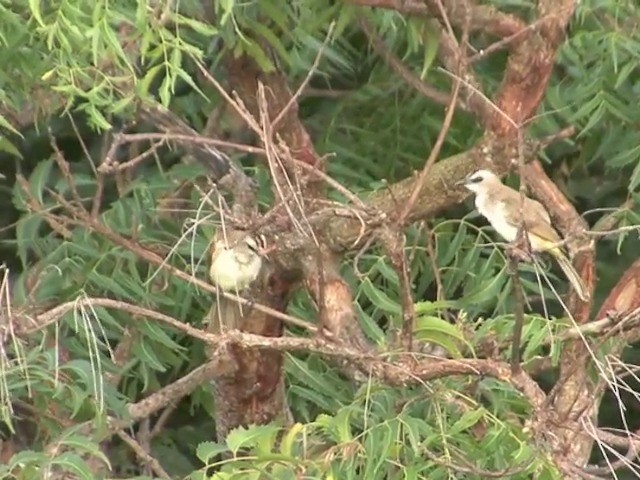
(500, 205)
(235, 260)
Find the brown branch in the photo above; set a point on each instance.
(529, 68)
(220, 167)
(112, 167)
(56, 223)
(506, 42)
(518, 313)
(192, 138)
(574, 391)
(166, 395)
(333, 297)
(395, 374)
(394, 243)
(484, 18)
(162, 420)
(625, 295)
(472, 469)
(438, 193)
(145, 456)
(121, 355)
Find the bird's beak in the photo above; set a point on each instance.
(461, 182)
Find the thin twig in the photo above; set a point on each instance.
(65, 169)
(401, 69)
(433, 155)
(522, 238)
(307, 79)
(162, 420)
(505, 42)
(518, 314)
(135, 161)
(196, 139)
(144, 455)
(57, 223)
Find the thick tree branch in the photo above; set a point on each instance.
(485, 18)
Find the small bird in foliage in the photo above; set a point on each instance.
(500, 205)
(236, 260)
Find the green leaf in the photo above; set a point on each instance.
(342, 423)
(84, 444)
(432, 43)
(259, 55)
(635, 178)
(197, 26)
(72, 462)
(207, 450)
(10, 148)
(426, 307)
(261, 437)
(34, 6)
(435, 330)
(27, 231)
(379, 298)
(28, 457)
(453, 246)
(39, 178)
(317, 383)
(289, 438)
(370, 326)
(466, 421)
(145, 353)
(157, 334)
(271, 38)
(277, 12)
(486, 291)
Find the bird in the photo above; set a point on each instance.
(236, 260)
(500, 205)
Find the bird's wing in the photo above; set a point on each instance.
(531, 204)
(536, 219)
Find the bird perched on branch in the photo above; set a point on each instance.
(236, 259)
(500, 205)
(236, 262)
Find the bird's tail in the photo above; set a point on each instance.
(571, 274)
(225, 315)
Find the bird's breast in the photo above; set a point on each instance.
(495, 212)
(230, 272)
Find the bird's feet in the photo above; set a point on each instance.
(520, 249)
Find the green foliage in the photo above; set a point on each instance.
(98, 60)
(382, 434)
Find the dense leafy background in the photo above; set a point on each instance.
(95, 59)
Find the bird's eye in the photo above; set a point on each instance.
(477, 179)
(252, 245)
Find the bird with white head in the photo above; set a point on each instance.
(501, 206)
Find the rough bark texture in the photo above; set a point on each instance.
(255, 394)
